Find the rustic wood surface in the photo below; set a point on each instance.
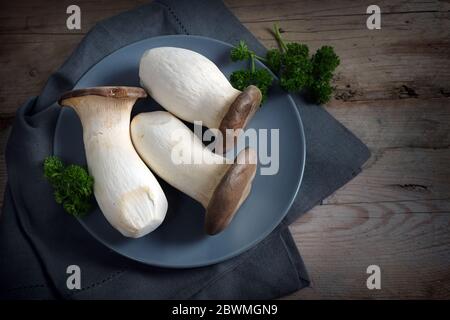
(392, 91)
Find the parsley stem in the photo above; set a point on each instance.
(260, 58)
(252, 56)
(278, 37)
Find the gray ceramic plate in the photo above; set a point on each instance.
(180, 240)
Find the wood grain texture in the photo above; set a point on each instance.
(399, 174)
(27, 58)
(375, 64)
(409, 123)
(408, 240)
(392, 91)
(49, 16)
(283, 10)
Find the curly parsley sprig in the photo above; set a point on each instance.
(72, 184)
(241, 79)
(294, 66)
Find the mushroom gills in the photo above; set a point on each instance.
(170, 148)
(127, 193)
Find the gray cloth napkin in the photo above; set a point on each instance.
(38, 240)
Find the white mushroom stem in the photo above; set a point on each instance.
(128, 194)
(191, 87)
(161, 139)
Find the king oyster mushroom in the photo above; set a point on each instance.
(128, 194)
(221, 187)
(190, 86)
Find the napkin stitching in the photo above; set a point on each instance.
(174, 15)
(98, 283)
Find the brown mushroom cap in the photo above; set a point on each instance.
(231, 192)
(239, 114)
(116, 92)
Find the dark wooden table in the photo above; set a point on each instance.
(392, 91)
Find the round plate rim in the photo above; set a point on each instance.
(235, 252)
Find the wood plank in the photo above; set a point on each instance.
(396, 174)
(411, 123)
(30, 59)
(375, 64)
(35, 42)
(49, 16)
(261, 10)
(409, 240)
(410, 144)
